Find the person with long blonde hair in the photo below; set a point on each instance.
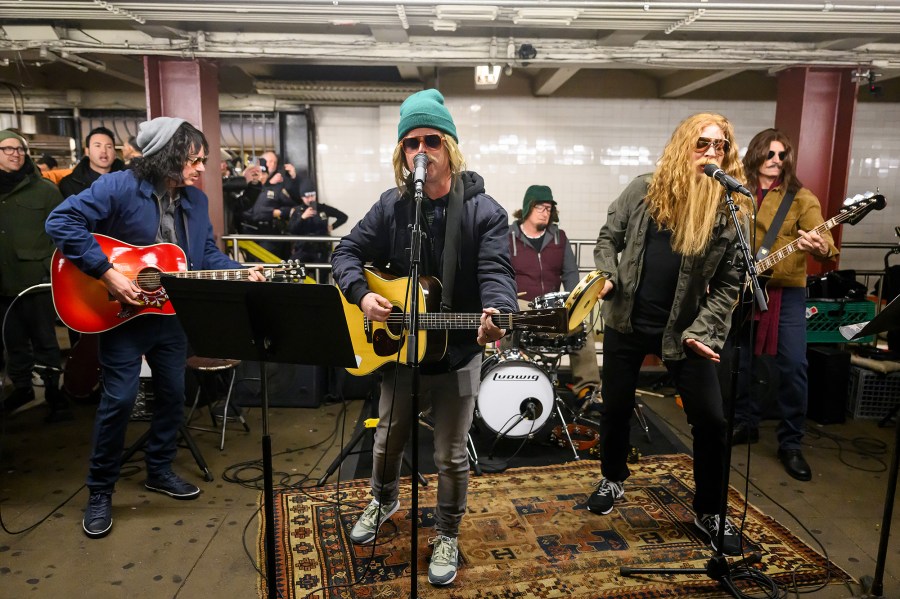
(666, 251)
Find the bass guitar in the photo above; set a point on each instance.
(84, 304)
(377, 343)
(853, 211)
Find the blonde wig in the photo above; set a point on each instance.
(402, 172)
(680, 199)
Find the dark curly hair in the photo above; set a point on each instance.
(168, 163)
(757, 154)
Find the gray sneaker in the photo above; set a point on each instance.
(444, 560)
(371, 520)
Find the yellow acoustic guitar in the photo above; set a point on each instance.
(377, 343)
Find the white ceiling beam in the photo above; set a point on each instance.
(685, 82)
(846, 43)
(389, 35)
(622, 38)
(409, 72)
(549, 80)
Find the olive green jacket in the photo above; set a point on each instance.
(707, 288)
(25, 248)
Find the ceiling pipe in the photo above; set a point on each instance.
(84, 65)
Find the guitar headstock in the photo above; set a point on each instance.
(289, 271)
(861, 204)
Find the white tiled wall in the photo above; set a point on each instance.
(585, 150)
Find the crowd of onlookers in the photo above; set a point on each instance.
(261, 194)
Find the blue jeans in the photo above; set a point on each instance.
(162, 340)
(697, 383)
(792, 394)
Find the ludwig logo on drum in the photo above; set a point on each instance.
(499, 376)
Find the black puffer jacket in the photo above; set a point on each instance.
(83, 175)
(484, 274)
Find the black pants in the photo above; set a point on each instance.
(696, 381)
(30, 337)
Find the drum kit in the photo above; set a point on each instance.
(517, 396)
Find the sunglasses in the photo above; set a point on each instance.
(721, 145)
(197, 160)
(432, 141)
(10, 150)
(542, 208)
(781, 155)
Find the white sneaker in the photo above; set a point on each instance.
(444, 560)
(371, 520)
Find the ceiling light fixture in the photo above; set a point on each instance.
(487, 76)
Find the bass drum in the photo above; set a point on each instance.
(516, 396)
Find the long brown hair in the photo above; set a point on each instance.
(680, 200)
(757, 154)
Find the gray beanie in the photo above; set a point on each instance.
(153, 135)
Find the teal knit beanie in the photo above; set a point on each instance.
(536, 194)
(425, 109)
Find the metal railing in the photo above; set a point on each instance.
(869, 277)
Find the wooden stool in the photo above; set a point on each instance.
(204, 368)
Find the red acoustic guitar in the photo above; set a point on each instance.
(85, 305)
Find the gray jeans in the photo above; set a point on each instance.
(451, 398)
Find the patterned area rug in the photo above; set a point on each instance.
(527, 534)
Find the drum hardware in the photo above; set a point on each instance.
(583, 437)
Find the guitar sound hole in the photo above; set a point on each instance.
(148, 279)
(394, 324)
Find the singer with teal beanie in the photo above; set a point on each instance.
(425, 109)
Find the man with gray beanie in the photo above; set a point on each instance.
(465, 248)
(26, 198)
(544, 260)
(153, 202)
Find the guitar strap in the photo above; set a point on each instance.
(452, 235)
(775, 226)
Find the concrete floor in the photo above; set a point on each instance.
(162, 548)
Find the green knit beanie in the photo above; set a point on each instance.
(425, 109)
(536, 194)
(7, 134)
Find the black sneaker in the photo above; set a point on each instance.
(602, 499)
(172, 485)
(97, 520)
(18, 398)
(709, 524)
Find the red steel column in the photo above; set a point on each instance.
(189, 89)
(815, 108)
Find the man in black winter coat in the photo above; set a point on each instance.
(99, 159)
(466, 232)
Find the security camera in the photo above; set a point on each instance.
(526, 52)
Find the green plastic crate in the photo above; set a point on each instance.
(824, 317)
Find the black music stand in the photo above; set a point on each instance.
(265, 322)
(887, 320)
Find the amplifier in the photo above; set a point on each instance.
(829, 381)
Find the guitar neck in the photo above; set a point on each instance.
(236, 274)
(448, 321)
(782, 253)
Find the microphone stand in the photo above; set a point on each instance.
(718, 568)
(412, 359)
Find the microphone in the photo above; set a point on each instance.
(420, 163)
(729, 182)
